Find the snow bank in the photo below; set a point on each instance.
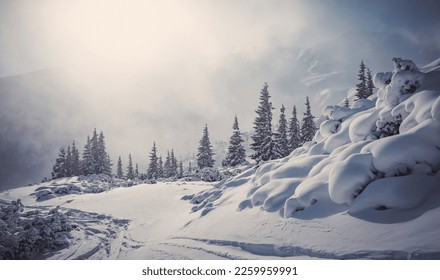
(381, 153)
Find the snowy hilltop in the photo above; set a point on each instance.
(381, 153)
(366, 186)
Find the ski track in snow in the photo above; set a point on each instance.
(96, 236)
(272, 250)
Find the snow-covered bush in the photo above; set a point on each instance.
(210, 174)
(24, 235)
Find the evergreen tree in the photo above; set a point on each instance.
(152, 168)
(87, 163)
(308, 128)
(167, 166)
(136, 171)
(75, 168)
(94, 150)
(160, 168)
(236, 152)
(180, 174)
(205, 153)
(294, 131)
(369, 83)
(102, 158)
(346, 103)
(68, 165)
(262, 138)
(361, 87)
(173, 164)
(119, 173)
(281, 143)
(59, 169)
(130, 171)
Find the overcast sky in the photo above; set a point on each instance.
(146, 71)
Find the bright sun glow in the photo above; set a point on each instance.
(136, 31)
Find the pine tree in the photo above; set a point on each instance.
(119, 173)
(130, 171)
(160, 168)
(236, 152)
(361, 87)
(281, 143)
(68, 165)
(180, 174)
(75, 168)
(102, 158)
(308, 128)
(346, 103)
(94, 150)
(369, 83)
(262, 138)
(136, 171)
(152, 168)
(87, 164)
(205, 153)
(294, 132)
(167, 166)
(59, 169)
(173, 164)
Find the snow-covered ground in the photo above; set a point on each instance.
(367, 187)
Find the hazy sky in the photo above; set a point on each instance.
(159, 70)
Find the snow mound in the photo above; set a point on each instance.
(381, 153)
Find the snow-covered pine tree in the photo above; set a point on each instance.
(347, 103)
(152, 167)
(180, 173)
(236, 152)
(294, 131)
(59, 169)
(361, 87)
(104, 165)
(262, 138)
(130, 171)
(205, 153)
(119, 172)
(87, 163)
(281, 143)
(369, 84)
(167, 166)
(68, 165)
(136, 171)
(75, 160)
(174, 166)
(160, 168)
(94, 150)
(308, 128)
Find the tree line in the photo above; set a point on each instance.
(266, 143)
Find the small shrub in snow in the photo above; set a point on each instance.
(210, 174)
(388, 128)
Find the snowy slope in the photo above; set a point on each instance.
(359, 191)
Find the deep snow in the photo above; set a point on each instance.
(368, 186)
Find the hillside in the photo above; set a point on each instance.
(366, 187)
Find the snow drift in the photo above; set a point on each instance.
(382, 153)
